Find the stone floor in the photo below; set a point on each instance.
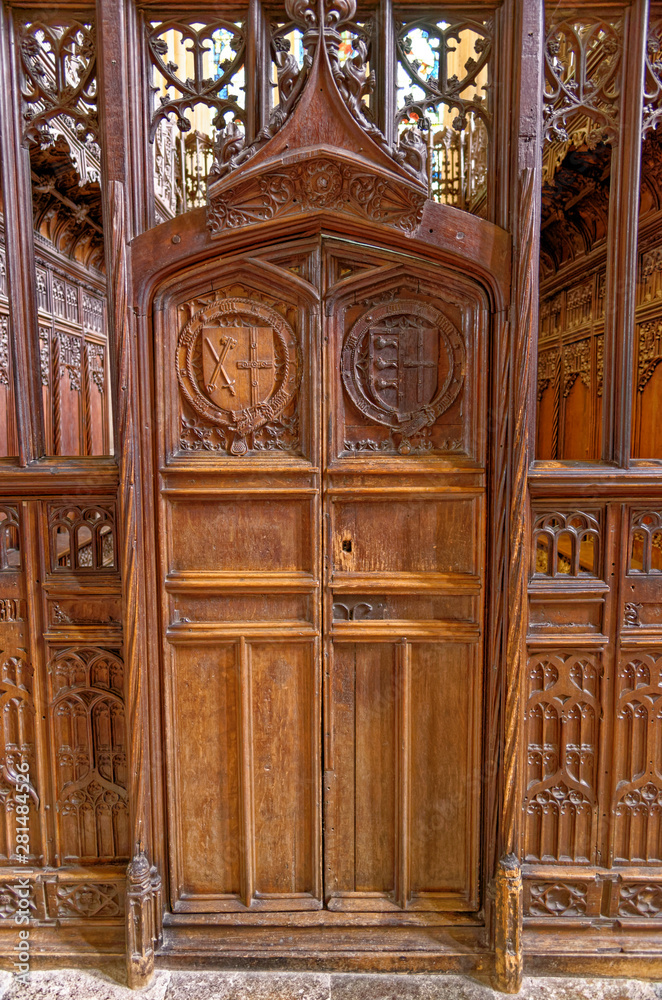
(74, 984)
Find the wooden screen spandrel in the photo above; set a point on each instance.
(295, 437)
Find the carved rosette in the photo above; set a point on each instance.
(403, 364)
(238, 366)
(320, 184)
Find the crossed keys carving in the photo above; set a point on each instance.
(226, 344)
(238, 367)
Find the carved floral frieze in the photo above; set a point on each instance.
(318, 184)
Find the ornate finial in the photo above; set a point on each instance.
(323, 13)
(321, 22)
(337, 12)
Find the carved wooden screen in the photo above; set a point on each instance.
(321, 530)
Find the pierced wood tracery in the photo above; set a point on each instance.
(444, 90)
(645, 548)
(82, 537)
(347, 82)
(557, 899)
(10, 538)
(214, 52)
(59, 61)
(566, 544)
(582, 84)
(87, 900)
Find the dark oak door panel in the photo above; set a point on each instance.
(240, 551)
(322, 536)
(404, 501)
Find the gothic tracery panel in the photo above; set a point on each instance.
(582, 82)
(444, 89)
(645, 543)
(82, 537)
(19, 800)
(198, 87)
(563, 718)
(566, 543)
(637, 797)
(90, 767)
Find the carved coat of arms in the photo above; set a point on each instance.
(403, 364)
(238, 366)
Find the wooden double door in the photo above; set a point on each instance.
(321, 499)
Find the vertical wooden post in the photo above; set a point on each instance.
(143, 882)
(17, 208)
(386, 79)
(403, 780)
(526, 177)
(246, 772)
(508, 938)
(621, 279)
(140, 930)
(258, 64)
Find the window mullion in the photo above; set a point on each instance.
(17, 198)
(386, 70)
(258, 65)
(620, 294)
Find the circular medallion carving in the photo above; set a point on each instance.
(403, 364)
(238, 366)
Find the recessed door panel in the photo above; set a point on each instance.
(285, 769)
(241, 534)
(444, 769)
(433, 535)
(206, 801)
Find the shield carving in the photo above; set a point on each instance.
(238, 365)
(403, 365)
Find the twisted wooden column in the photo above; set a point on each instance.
(143, 883)
(525, 214)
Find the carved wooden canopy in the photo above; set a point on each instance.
(320, 150)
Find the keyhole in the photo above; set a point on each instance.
(347, 545)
